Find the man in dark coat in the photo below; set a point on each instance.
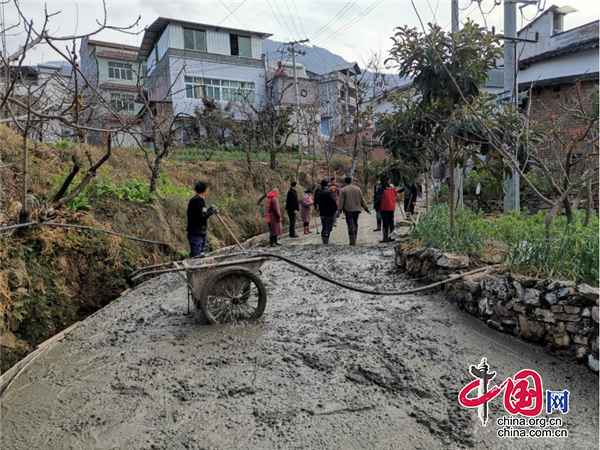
(197, 220)
(292, 206)
(327, 207)
(377, 194)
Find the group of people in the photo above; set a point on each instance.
(330, 201)
(384, 203)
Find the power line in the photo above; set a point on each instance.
(284, 21)
(343, 11)
(285, 35)
(365, 12)
(299, 19)
(292, 17)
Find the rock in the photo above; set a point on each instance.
(593, 363)
(402, 231)
(453, 261)
(8, 339)
(579, 339)
(594, 345)
(589, 292)
(510, 304)
(587, 312)
(414, 251)
(520, 290)
(545, 315)
(581, 353)
(495, 325)
(509, 323)
(413, 266)
(551, 298)
(561, 337)
(556, 308)
(430, 253)
(565, 292)
(532, 297)
(572, 309)
(484, 307)
(527, 282)
(574, 327)
(495, 285)
(567, 317)
(470, 286)
(426, 267)
(531, 330)
(595, 314)
(518, 308)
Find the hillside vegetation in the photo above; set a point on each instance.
(52, 277)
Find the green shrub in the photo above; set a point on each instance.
(570, 251)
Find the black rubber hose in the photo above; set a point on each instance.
(365, 291)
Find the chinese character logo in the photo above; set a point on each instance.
(557, 400)
(523, 394)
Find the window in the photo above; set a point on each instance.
(234, 91)
(240, 45)
(122, 102)
(194, 40)
(193, 87)
(119, 71)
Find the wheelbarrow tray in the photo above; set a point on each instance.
(199, 270)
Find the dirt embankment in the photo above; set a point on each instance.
(53, 277)
(324, 368)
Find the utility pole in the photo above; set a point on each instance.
(511, 183)
(298, 131)
(458, 171)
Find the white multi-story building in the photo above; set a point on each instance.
(189, 61)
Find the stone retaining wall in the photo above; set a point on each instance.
(561, 315)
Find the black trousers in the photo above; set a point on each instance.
(292, 217)
(327, 224)
(388, 219)
(352, 222)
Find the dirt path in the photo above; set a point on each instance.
(325, 368)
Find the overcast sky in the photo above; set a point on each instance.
(353, 29)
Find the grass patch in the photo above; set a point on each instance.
(570, 252)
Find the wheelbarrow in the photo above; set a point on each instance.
(223, 289)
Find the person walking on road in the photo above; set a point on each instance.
(307, 203)
(388, 206)
(327, 207)
(197, 220)
(377, 193)
(410, 196)
(334, 187)
(274, 216)
(292, 207)
(351, 202)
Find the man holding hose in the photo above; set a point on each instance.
(197, 220)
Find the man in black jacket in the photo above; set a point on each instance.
(197, 217)
(327, 207)
(292, 207)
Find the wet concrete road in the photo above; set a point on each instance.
(325, 368)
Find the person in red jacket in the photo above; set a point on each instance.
(274, 216)
(388, 206)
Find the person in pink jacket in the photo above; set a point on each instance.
(274, 216)
(307, 203)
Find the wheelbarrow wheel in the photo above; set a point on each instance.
(234, 294)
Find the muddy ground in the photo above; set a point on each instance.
(325, 368)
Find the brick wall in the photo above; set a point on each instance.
(555, 101)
